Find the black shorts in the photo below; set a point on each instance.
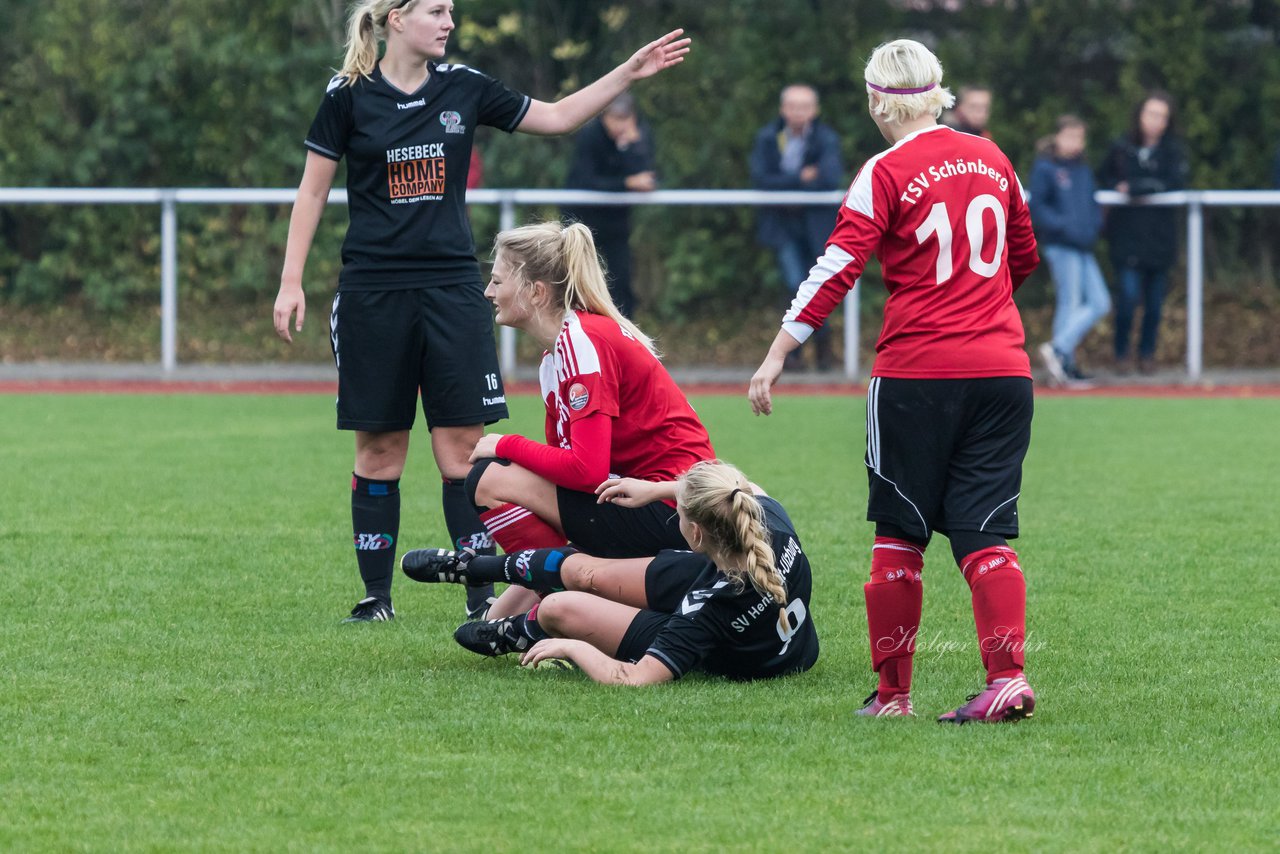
(946, 455)
(388, 345)
(607, 530)
(667, 580)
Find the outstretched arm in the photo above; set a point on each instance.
(597, 665)
(572, 111)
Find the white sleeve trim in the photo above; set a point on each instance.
(797, 330)
(832, 262)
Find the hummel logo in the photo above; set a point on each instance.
(695, 600)
(409, 105)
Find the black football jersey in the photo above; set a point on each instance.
(407, 160)
(735, 631)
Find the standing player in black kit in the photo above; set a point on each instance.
(410, 311)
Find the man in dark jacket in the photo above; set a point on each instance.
(1068, 220)
(796, 151)
(613, 153)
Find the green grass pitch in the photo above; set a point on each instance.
(173, 673)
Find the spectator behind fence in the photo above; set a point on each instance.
(1068, 221)
(972, 111)
(796, 151)
(1143, 240)
(613, 153)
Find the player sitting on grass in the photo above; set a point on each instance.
(611, 408)
(736, 606)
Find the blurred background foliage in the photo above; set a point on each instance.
(219, 93)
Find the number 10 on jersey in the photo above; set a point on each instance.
(938, 223)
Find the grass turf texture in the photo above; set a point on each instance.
(173, 674)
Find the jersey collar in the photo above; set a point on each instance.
(400, 93)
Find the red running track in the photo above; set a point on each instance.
(161, 387)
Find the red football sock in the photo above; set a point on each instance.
(999, 609)
(516, 529)
(894, 596)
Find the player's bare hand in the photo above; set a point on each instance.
(762, 382)
(486, 448)
(628, 492)
(658, 54)
(289, 302)
(548, 648)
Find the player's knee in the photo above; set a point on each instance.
(554, 612)
(966, 543)
(896, 559)
(984, 563)
(578, 575)
(381, 456)
(480, 489)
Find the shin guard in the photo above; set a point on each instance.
(894, 598)
(999, 594)
(375, 523)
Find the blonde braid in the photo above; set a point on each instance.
(718, 498)
(757, 551)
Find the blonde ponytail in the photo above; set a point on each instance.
(585, 287)
(365, 28)
(718, 498)
(564, 258)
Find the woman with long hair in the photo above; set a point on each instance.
(1143, 240)
(409, 315)
(611, 409)
(736, 604)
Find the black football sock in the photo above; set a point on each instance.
(527, 624)
(536, 569)
(375, 521)
(466, 531)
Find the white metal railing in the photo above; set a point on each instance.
(509, 199)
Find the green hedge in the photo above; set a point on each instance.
(114, 93)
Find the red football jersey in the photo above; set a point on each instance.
(599, 367)
(947, 217)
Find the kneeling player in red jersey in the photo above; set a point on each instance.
(949, 403)
(611, 410)
(737, 605)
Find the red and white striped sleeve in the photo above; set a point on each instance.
(860, 224)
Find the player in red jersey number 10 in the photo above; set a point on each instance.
(949, 402)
